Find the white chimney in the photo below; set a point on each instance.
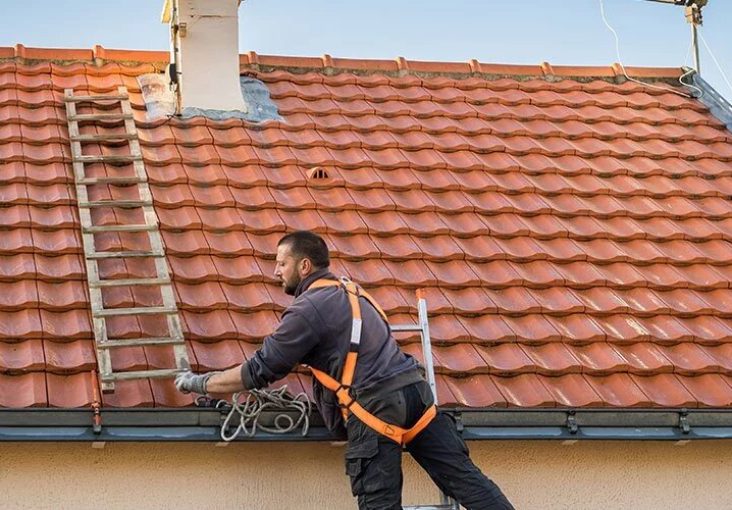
(205, 50)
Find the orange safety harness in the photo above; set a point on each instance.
(341, 389)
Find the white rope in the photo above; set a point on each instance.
(622, 67)
(721, 71)
(279, 401)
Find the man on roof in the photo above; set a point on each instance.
(365, 387)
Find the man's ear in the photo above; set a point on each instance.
(306, 266)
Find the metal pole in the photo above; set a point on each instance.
(695, 43)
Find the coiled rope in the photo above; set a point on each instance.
(250, 411)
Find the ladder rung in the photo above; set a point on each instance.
(123, 254)
(140, 374)
(103, 138)
(142, 227)
(90, 181)
(130, 282)
(80, 117)
(116, 203)
(97, 97)
(135, 342)
(141, 310)
(107, 159)
(405, 327)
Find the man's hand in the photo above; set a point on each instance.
(188, 382)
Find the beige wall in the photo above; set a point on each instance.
(535, 475)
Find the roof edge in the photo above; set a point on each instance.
(203, 425)
(717, 104)
(403, 66)
(328, 64)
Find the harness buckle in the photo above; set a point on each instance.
(347, 407)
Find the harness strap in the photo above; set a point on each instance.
(397, 434)
(347, 402)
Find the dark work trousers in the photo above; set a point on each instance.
(373, 462)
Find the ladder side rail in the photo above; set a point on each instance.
(423, 327)
(151, 226)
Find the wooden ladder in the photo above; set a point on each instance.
(169, 309)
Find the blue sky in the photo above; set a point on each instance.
(501, 31)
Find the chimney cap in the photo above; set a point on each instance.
(167, 13)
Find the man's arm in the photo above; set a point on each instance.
(280, 351)
(228, 381)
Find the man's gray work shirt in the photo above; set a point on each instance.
(316, 330)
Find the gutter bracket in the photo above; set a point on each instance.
(97, 418)
(96, 404)
(459, 425)
(684, 421)
(572, 422)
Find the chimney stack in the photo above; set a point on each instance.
(205, 53)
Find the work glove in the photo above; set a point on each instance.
(188, 382)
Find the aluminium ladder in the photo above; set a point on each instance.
(423, 327)
(156, 253)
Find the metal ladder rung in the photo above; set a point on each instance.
(124, 254)
(135, 342)
(129, 282)
(406, 327)
(139, 374)
(96, 97)
(142, 310)
(80, 117)
(116, 203)
(142, 227)
(103, 138)
(90, 181)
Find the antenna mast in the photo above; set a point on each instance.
(693, 12)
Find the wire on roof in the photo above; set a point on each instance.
(620, 62)
(721, 71)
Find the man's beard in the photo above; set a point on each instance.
(291, 287)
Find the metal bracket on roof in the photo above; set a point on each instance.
(684, 421)
(96, 405)
(459, 422)
(572, 422)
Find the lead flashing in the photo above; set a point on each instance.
(717, 104)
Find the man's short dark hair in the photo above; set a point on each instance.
(305, 244)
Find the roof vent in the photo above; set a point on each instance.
(317, 173)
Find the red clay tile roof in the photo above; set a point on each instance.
(572, 234)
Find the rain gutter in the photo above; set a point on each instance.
(203, 425)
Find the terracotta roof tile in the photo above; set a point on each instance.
(666, 389)
(525, 390)
(27, 390)
(619, 390)
(571, 237)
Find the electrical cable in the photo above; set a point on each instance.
(250, 410)
(620, 62)
(714, 58)
(690, 71)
